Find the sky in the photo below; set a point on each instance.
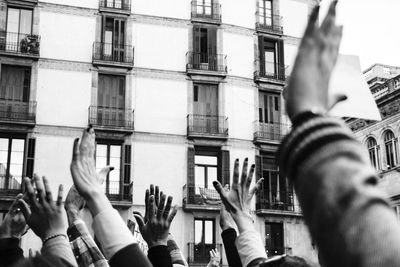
(371, 30)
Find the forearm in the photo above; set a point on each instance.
(232, 255)
(59, 247)
(159, 256)
(348, 217)
(10, 252)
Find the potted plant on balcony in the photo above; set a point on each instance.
(30, 44)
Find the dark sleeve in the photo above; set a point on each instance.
(348, 216)
(159, 256)
(10, 252)
(130, 256)
(232, 255)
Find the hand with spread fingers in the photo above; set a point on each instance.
(318, 52)
(43, 215)
(215, 258)
(155, 226)
(238, 200)
(14, 224)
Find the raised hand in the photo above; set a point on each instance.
(43, 215)
(225, 218)
(238, 200)
(215, 258)
(14, 224)
(308, 85)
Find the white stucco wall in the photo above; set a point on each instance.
(240, 54)
(240, 13)
(77, 3)
(166, 8)
(295, 16)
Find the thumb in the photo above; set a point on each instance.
(140, 221)
(102, 175)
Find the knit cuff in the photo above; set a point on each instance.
(250, 247)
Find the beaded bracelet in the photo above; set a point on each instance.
(52, 236)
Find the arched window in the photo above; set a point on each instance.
(391, 149)
(373, 152)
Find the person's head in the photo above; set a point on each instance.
(286, 261)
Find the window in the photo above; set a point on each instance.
(11, 162)
(265, 12)
(373, 152)
(19, 21)
(204, 7)
(204, 239)
(15, 83)
(205, 46)
(113, 39)
(274, 239)
(111, 100)
(391, 149)
(110, 154)
(269, 108)
(205, 171)
(271, 57)
(205, 109)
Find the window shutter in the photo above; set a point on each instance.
(196, 39)
(281, 59)
(261, 54)
(30, 157)
(127, 193)
(258, 173)
(225, 172)
(212, 49)
(190, 165)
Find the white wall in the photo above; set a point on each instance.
(290, 56)
(78, 3)
(63, 97)
(240, 13)
(166, 8)
(295, 16)
(66, 37)
(240, 54)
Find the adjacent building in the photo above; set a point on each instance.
(176, 91)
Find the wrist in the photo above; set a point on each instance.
(244, 222)
(157, 243)
(97, 202)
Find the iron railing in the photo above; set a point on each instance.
(200, 253)
(269, 23)
(116, 4)
(200, 195)
(113, 53)
(270, 70)
(20, 43)
(281, 200)
(206, 61)
(117, 191)
(207, 125)
(275, 250)
(270, 131)
(111, 117)
(18, 111)
(207, 10)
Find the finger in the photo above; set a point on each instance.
(312, 20)
(146, 204)
(31, 253)
(14, 206)
(167, 207)
(244, 172)
(329, 21)
(250, 177)
(84, 145)
(152, 207)
(160, 208)
(335, 99)
(140, 221)
(157, 195)
(224, 197)
(235, 179)
(151, 189)
(26, 211)
(91, 141)
(31, 193)
(60, 195)
(75, 150)
(211, 255)
(256, 187)
(49, 196)
(103, 173)
(39, 188)
(172, 215)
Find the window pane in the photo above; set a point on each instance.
(270, 62)
(115, 151)
(17, 157)
(26, 21)
(206, 160)
(13, 20)
(199, 178)
(208, 232)
(3, 160)
(198, 231)
(211, 176)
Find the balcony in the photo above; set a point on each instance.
(116, 6)
(113, 55)
(274, 251)
(206, 12)
(269, 24)
(200, 253)
(276, 202)
(113, 119)
(269, 132)
(19, 44)
(117, 191)
(10, 186)
(207, 126)
(206, 64)
(270, 72)
(18, 112)
(197, 197)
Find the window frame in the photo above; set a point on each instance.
(210, 153)
(19, 18)
(26, 83)
(24, 158)
(390, 149)
(264, 9)
(282, 232)
(373, 152)
(204, 255)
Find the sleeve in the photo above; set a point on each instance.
(232, 255)
(83, 246)
(348, 217)
(250, 248)
(59, 247)
(129, 256)
(177, 257)
(159, 256)
(10, 252)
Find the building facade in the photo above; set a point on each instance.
(176, 91)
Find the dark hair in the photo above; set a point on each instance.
(286, 261)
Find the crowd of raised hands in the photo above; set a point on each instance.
(347, 216)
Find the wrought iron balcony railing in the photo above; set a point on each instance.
(206, 10)
(18, 111)
(117, 191)
(270, 131)
(207, 125)
(206, 62)
(111, 117)
(116, 4)
(113, 53)
(199, 195)
(20, 43)
(270, 70)
(269, 23)
(277, 200)
(200, 253)
(10, 185)
(277, 250)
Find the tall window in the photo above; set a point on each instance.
(271, 57)
(204, 7)
(114, 38)
(265, 12)
(391, 149)
(11, 162)
(373, 152)
(110, 154)
(269, 107)
(204, 239)
(205, 108)
(274, 244)
(15, 83)
(206, 168)
(111, 99)
(205, 46)
(19, 21)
